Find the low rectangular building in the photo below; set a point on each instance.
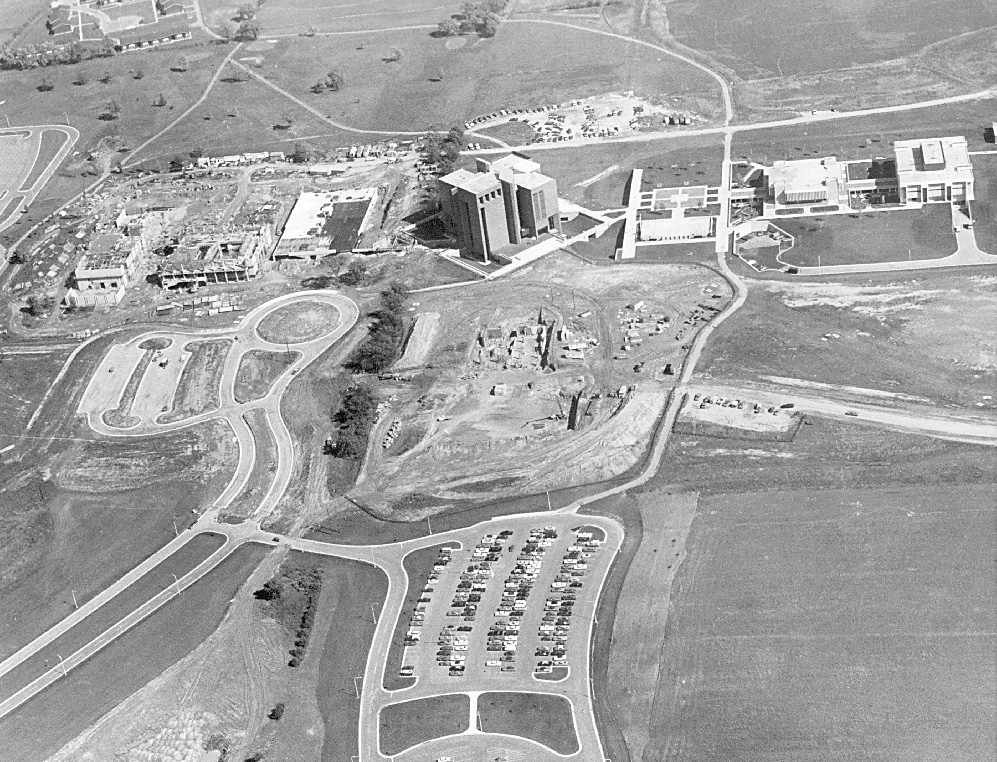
(221, 260)
(934, 170)
(326, 222)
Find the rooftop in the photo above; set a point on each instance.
(515, 163)
(933, 160)
(532, 181)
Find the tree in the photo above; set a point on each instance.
(46, 85)
(138, 74)
(277, 712)
(249, 30)
(197, 152)
(107, 77)
(303, 152)
(180, 64)
(225, 32)
(245, 13)
(40, 304)
(159, 100)
(449, 27)
(112, 110)
(489, 25)
(81, 78)
(17, 258)
(394, 57)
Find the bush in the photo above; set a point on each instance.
(277, 712)
(271, 591)
(356, 416)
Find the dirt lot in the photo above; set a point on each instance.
(916, 336)
(608, 327)
(48, 721)
(199, 388)
(542, 717)
(258, 369)
(298, 322)
(851, 620)
(404, 725)
(877, 237)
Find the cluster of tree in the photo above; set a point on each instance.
(381, 347)
(40, 304)
(357, 274)
(481, 17)
(110, 112)
(304, 630)
(443, 151)
(331, 81)
(356, 415)
(40, 56)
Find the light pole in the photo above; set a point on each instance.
(75, 604)
(372, 613)
(177, 581)
(356, 685)
(63, 665)
(176, 531)
(429, 523)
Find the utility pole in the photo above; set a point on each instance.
(177, 581)
(63, 665)
(356, 685)
(549, 507)
(429, 523)
(75, 604)
(373, 613)
(176, 531)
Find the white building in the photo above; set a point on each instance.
(934, 170)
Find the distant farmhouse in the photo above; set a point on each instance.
(921, 172)
(501, 204)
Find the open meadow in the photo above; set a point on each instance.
(436, 82)
(72, 704)
(814, 624)
(915, 336)
(764, 38)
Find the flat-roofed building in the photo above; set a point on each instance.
(934, 170)
(805, 181)
(104, 271)
(504, 202)
(326, 222)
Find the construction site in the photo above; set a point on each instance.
(533, 384)
(194, 244)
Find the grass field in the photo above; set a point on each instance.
(348, 590)
(542, 717)
(418, 565)
(148, 586)
(876, 237)
(72, 704)
(765, 38)
(435, 84)
(52, 142)
(984, 206)
(916, 336)
(294, 17)
(23, 382)
(198, 390)
(816, 625)
(258, 369)
(298, 322)
(409, 723)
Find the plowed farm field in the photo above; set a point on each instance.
(836, 625)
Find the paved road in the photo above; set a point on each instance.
(235, 534)
(390, 557)
(978, 428)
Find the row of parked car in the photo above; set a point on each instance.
(453, 640)
(555, 625)
(503, 636)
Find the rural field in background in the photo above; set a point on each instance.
(815, 623)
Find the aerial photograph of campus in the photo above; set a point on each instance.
(498, 381)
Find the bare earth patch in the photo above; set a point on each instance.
(298, 322)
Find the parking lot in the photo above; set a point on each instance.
(513, 604)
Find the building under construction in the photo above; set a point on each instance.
(228, 259)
